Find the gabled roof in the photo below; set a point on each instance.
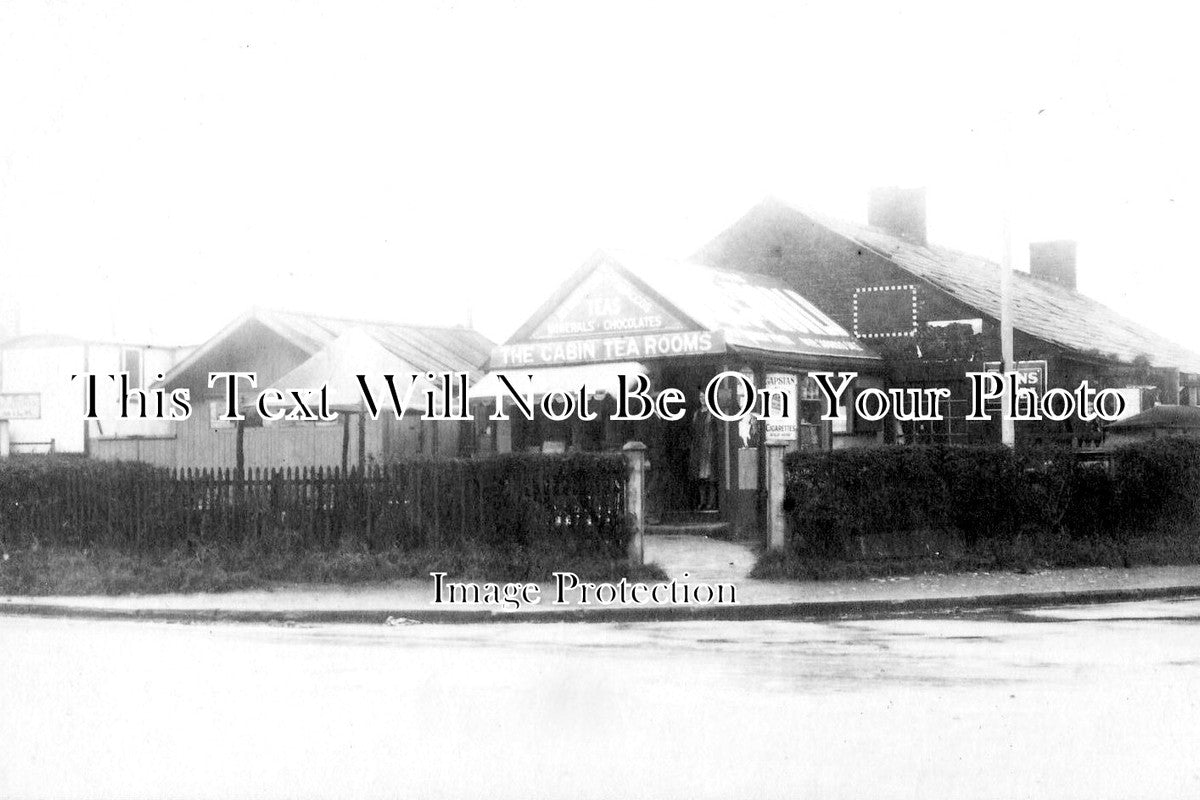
(1047, 311)
(34, 340)
(753, 312)
(427, 348)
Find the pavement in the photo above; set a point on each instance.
(693, 562)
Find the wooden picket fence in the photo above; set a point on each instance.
(447, 503)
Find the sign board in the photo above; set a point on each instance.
(609, 348)
(20, 406)
(779, 427)
(1030, 375)
(881, 312)
(606, 304)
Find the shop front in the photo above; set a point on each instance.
(661, 324)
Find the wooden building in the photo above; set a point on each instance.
(47, 407)
(933, 313)
(678, 324)
(273, 344)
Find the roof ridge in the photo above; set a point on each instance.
(359, 320)
(909, 256)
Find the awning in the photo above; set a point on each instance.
(598, 378)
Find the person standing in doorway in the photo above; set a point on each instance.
(703, 447)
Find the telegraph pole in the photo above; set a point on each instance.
(1007, 428)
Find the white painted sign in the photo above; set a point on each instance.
(20, 406)
(779, 427)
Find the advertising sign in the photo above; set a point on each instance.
(780, 428)
(612, 348)
(881, 312)
(606, 304)
(1030, 375)
(20, 406)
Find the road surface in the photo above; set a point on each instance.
(1092, 702)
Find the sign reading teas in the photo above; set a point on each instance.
(612, 348)
(606, 304)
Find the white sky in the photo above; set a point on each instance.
(163, 166)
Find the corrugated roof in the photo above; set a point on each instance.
(338, 365)
(427, 348)
(432, 348)
(1045, 310)
(752, 310)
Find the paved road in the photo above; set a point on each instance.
(1091, 703)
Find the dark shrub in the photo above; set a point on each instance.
(1158, 481)
(943, 502)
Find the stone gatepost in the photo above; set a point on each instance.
(635, 506)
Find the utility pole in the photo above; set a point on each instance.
(1008, 433)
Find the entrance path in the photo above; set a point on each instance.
(702, 558)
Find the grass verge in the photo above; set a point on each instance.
(1023, 554)
(62, 571)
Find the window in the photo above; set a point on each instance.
(131, 362)
(215, 409)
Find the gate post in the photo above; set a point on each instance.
(776, 522)
(635, 506)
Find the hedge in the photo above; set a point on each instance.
(894, 502)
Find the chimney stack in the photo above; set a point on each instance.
(898, 211)
(1053, 262)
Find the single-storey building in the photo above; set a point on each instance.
(679, 324)
(43, 407)
(933, 312)
(1154, 423)
(272, 344)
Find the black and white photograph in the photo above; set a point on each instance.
(672, 400)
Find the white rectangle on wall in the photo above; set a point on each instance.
(26, 405)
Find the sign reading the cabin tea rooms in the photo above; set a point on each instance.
(608, 348)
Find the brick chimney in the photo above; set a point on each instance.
(1053, 262)
(898, 211)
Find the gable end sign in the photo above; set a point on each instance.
(606, 304)
(20, 406)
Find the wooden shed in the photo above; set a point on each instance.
(273, 344)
